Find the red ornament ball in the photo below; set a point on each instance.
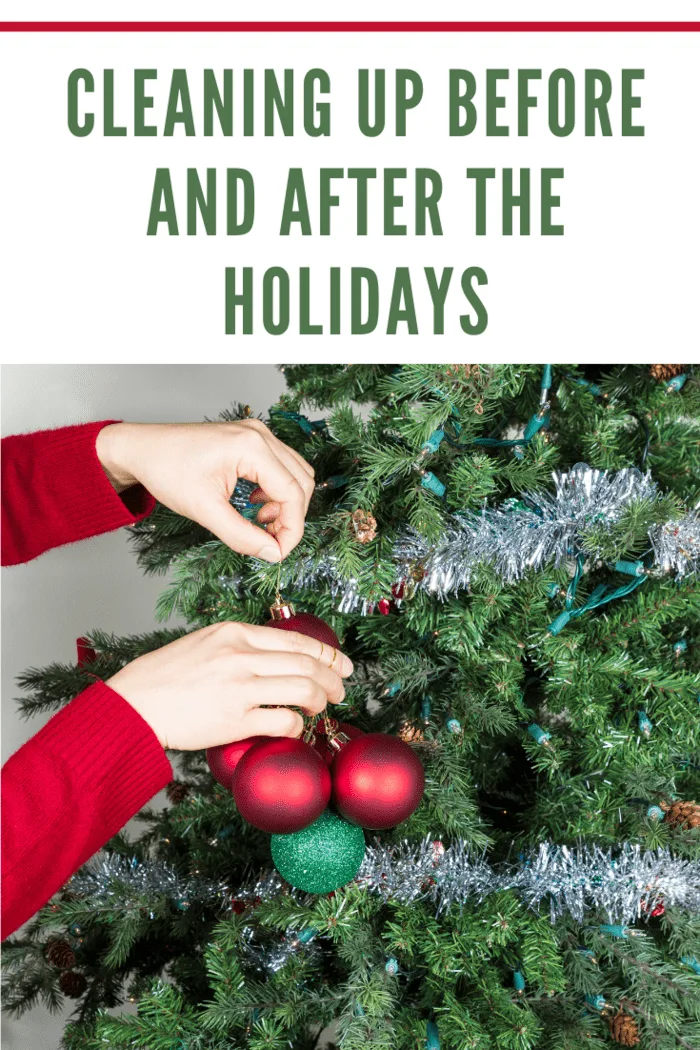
(378, 781)
(306, 623)
(224, 758)
(384, 606)
(320, 742)
(281, 785)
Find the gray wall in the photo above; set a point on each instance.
(50, 602)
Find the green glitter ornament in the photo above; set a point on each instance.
(322, 857)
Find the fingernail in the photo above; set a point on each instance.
(348, 667)
(271, 552)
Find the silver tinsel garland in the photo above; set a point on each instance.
(541, 529)
(624, 884)
(267, 952)
(111, 878)
(676, 545)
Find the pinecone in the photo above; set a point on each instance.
(177, 791)
(72, 984)
(364, 525)
(60, 954)
(462, 372)
(682, 814)
(663, 373)
(624, 1029)
(410, 733)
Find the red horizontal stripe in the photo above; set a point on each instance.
(350, 27)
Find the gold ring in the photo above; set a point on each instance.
(335, 653)
(321, 653)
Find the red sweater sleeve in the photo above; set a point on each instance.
(97, 762)
(54, 491)
(68, 790)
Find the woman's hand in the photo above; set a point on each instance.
(193, 469)
(223, 683)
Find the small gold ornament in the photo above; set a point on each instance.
(682, 814)
(624, 1029)
(663, 373)
(364, 526)
(281, 610)
(409, 584)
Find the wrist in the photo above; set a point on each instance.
(111, 447)
(122, 683)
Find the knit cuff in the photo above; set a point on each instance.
(110, 750)
(92, 506)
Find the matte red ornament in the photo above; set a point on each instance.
(384, 606)
(306, 623)
(224, 758)
(281, 785)
(378, 781)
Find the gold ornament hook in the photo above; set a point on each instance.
(280, 610)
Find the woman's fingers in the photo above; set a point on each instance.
(298, 467)
(215, 513)
(256, 424)
(283, 665)
(302, 472)
(293, 452)
(281, 486)
(271, 639)
(287, 691)
(273, 722)
(268, 513)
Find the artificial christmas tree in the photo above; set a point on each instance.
(509, 554)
